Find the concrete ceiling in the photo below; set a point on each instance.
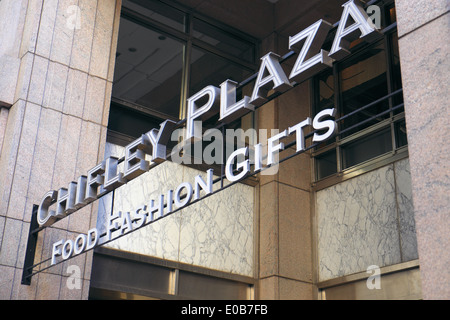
(259, 18)
(142, 66)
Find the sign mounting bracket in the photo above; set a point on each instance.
(31, 248)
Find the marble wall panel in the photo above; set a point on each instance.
(367, 220)
(216, 232)
(159, 238)
(408, 239)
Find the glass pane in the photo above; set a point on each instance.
(158, 11)
(130, 123)
(396, 73)
(148, 69)
(400, 134)
(363, 80)
(224, 42)
(325, 90)
(324, 97)
(392, 15)
(210, 69)
(367, 148)
(326, 164)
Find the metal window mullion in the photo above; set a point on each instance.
(212, 49)
(339, 106)
(388, 44)
(153, 24)
(187, 52)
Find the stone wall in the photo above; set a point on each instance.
(424, 43)
(57, 93)
(215, 233)
(367, 220)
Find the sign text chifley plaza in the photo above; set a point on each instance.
(105, 177)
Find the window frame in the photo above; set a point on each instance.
(190, 41)
(396, 153)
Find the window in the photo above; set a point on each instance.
(165, 54)
(365, 87)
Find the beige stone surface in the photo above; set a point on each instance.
(6, 279)
(3, 121)
(285, 252)
(12, 20)
(66, 154)
(424, 57)
(46, 28)
(9, 68)
(294, 106)
(63, 33)
(31, 27)
(75, 93)
(87, 155)
(268, 228)
(22, 170)
(412, 15)
(268, 288)
(103, 34)
(9, 152)
(295, 290)
(295, 248)
(42, 167)
(95, 98)
(53, 131)
(107, 101)
(83, 35)
(11, 242)
(23, 78)
(115, 37)
(55, 86)
(48, 287)
(37, 82)
(296, 171)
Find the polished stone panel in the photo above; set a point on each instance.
(366, 221)
(408, 239)
(424, 55)
(216, 232)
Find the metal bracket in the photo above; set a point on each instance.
(31, 248)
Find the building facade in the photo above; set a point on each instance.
(88, 86)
